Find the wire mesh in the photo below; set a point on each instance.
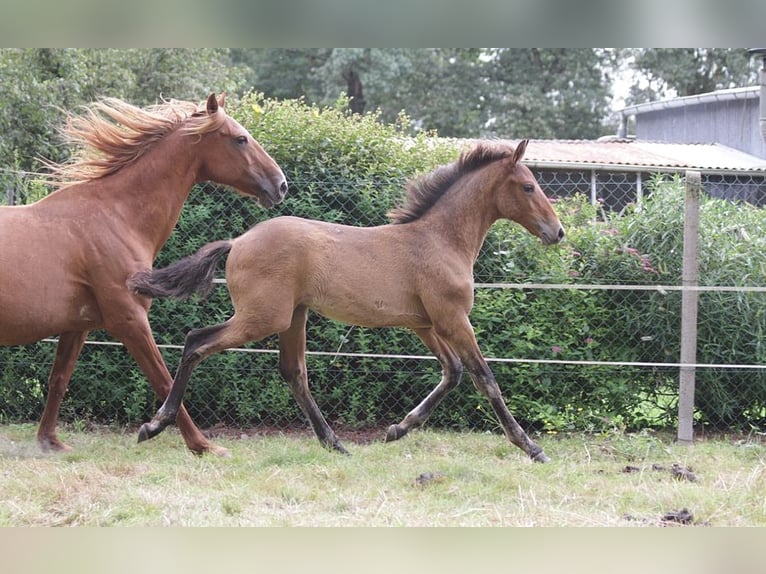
(558, 353)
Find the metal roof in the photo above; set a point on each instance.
(729, 95)
(636, 155)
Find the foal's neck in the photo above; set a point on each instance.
(462, 216)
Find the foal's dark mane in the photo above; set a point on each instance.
(424, 192)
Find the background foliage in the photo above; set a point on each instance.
(459, 92)
(351, 169)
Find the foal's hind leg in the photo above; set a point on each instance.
(134, 332)
(67, 351)
(292, 365)
(200, 343)
(452, 368)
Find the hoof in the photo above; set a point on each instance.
(336, 447)
(219, 451)
(209, 448)
(53, 445)
(148, 431)
(541, 457)
(339, 448)
(394, 432)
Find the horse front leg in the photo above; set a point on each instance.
(137, 337)
(484, 381)
(463, 340)
(452, 369)
(292, 365)
(68, 349)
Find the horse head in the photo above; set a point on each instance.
(520, 199)
(232, 156)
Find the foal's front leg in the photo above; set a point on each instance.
(463, 340)
(452, 369)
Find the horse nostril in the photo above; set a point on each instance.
(562, 233)
(283, 187)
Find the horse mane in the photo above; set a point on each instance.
(425, 191)
(111, 134)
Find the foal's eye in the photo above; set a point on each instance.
(528, 187)
(241, 139)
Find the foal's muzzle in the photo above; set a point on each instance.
(551, 235)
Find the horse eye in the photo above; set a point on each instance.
(241, 139)
(529, 188)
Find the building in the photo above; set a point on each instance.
(728, 117)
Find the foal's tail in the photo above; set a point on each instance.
(185, 277)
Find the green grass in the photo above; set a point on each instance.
(426, 479)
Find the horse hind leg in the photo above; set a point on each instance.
(199, 344)
(68, 349)
(292, 365)
(452, 369)
(136, 336)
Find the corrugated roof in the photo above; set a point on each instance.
(636, 155)
(728, 95)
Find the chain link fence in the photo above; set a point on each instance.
(249, 384)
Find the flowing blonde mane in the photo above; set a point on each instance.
(111, 134)
(424, 192)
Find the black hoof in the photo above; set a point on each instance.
(339, 448)
(394, 432)
(541, 457)
(335, 446)
(148, 431)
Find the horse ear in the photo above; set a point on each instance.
(222, 100)
(212, 104)
(519, 153)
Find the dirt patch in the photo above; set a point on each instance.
(683, 517)
(676, 471)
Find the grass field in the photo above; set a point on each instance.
(428, 478)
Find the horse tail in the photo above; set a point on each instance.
(185, 277)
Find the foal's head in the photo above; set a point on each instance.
(231, 156)
(519, 198)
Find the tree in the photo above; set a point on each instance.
(367, 76)
(548, 93)
(460, 92)
(37, 84)
(444, 91)
(670, 72)
(284, 73)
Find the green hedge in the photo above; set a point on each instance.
(352, 169)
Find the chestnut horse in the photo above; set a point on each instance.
(65, 258)
(416, 272)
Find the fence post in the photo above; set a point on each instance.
(689, 300)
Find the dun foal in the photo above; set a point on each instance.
(416, 272)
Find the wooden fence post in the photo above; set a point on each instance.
(689, 301)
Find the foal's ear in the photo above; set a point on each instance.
(519, 153)
(212, 104)
(222, 100)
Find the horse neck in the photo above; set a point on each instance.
(463, 215)
(151, 192)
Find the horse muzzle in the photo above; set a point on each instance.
(551, 235)
(272, 192)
